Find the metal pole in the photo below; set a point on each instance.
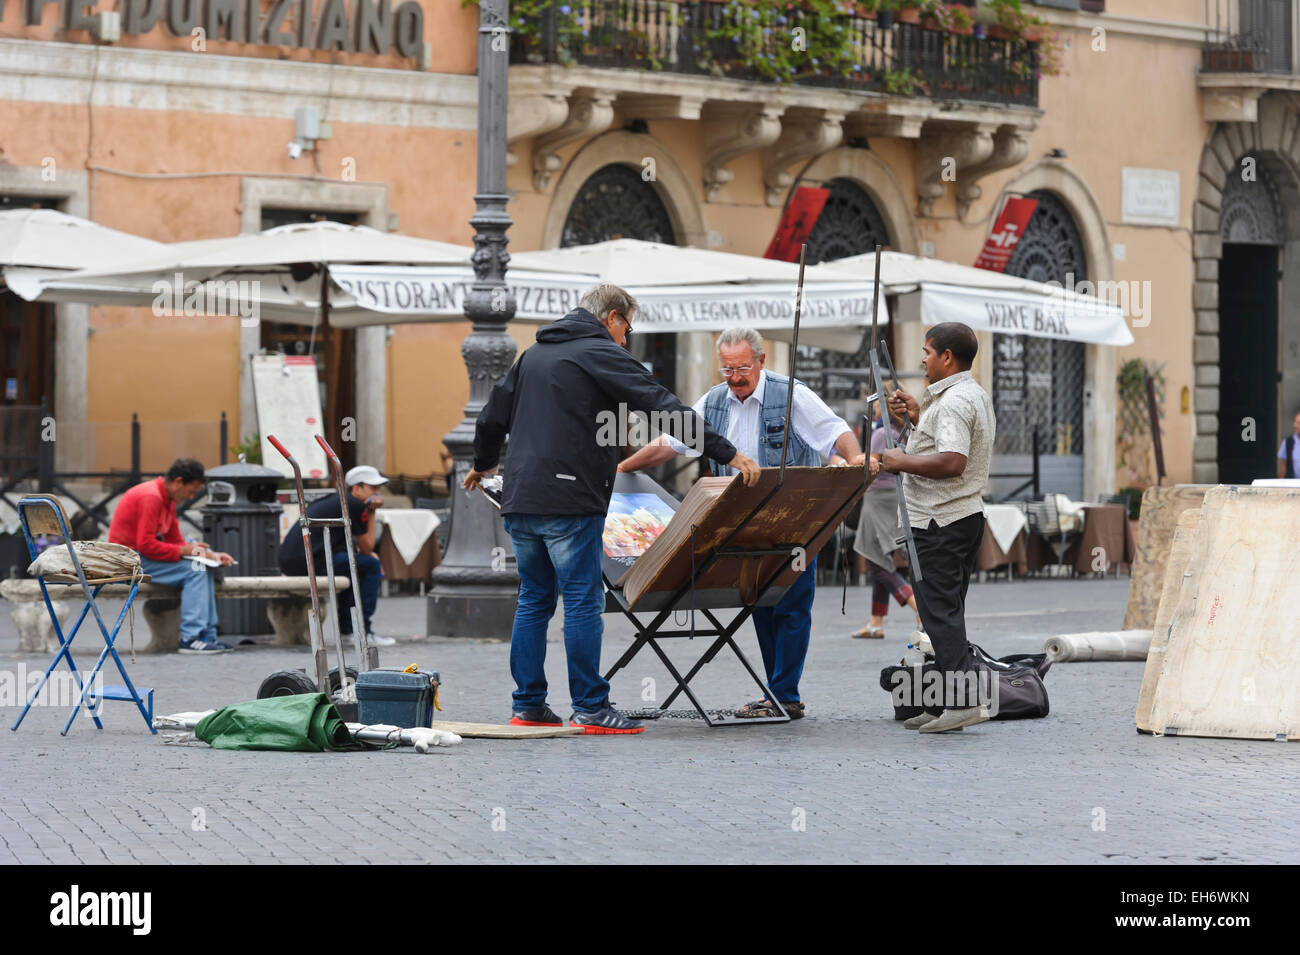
(225, 436)
(794, 360)
(474, 590)
(1154, 411)
(135, 447)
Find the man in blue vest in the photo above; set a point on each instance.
(749, 409)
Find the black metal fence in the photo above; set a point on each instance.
(1248, 36)
(760, 42)
(27, 464)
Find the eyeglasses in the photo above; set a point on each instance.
(623, 318)
(728, 371)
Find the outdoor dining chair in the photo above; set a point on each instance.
(1045, 522)
(41, 515)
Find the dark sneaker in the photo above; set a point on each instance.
(606, 721)
(544, 716)
(206, 648)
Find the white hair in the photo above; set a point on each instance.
(738, 335)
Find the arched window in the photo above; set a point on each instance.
(849, 224)
(616, 203)
(1038, 382)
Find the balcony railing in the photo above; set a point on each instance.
(708, 38)
(1249, 36)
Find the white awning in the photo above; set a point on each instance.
(933, 291)
(1064, 316)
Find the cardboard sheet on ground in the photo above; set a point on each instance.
(1176, 574)
(1232, 661)
(504, 730)
(1160, 509)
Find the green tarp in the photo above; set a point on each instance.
(305, 723)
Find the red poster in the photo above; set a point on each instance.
(1004, 238)
(797, 223)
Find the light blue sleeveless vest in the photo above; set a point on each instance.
(717, 412)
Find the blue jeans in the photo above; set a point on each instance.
(558, 555)
(369, 576)
(198, 599)
(783, 635)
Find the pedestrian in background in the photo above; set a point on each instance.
(364, 483)
(877, 541)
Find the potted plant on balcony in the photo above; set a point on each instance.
(904, 82)
(904, 11)
(936, 15)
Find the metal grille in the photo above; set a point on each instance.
(849, 224)
(616, 203)
(1248, 213)
(1038, 382)
(1247, 36)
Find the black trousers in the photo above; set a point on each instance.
(948, 556)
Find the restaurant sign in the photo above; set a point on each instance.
(370, 26)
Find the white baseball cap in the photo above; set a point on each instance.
(364, 474)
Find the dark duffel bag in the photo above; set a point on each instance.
(1021, 694)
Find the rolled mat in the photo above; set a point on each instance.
(1098, 645)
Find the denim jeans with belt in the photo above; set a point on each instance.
(370, 574)
(198, 596)
(558, 555)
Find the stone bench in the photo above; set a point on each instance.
(288, 611)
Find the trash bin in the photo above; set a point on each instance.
(242, 518)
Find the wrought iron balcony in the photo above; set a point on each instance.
(1249, 36)
(757, 42)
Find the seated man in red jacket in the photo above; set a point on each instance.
(145, 520)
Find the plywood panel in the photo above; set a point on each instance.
(1177, 574)
(1232, 662)
(1160, 509)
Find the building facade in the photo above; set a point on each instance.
(1162, 149)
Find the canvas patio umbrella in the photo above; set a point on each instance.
(684, 289)
(303, 273)
(932, 291)
(44, 242)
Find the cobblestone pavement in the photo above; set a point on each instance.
(847, 784)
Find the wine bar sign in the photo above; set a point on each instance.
(362, 26)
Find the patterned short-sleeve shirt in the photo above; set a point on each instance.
(956, 415)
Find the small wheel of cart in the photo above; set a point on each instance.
(286, 683)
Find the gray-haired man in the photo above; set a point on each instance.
(749, 408)
(558, 480)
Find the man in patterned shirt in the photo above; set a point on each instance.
(945, 469)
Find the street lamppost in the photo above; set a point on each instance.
(474, 590)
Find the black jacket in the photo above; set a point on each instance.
(551, 404)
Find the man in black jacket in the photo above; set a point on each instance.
(558, 479)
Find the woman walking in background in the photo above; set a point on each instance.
(877, 541)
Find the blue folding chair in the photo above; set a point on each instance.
(42, 514)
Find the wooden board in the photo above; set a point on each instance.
(800, 513)
(1232, 661)
(1160, 509)
(1177, 573)
(505, 730)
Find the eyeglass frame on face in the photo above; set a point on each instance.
(726, 371)
(623, 318)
